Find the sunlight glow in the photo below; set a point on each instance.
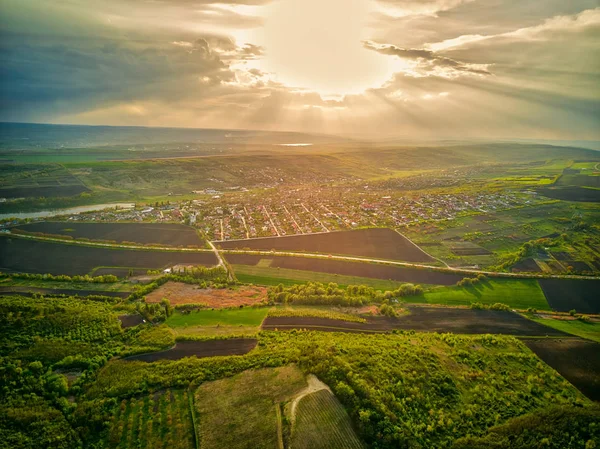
(318, 46)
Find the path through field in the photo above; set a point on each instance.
(314, 385)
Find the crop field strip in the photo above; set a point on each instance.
(141, 233)
(322, 423)
(271, 277)
(360, 269)
(575, 359)
(28, 291)
(426, 319)
(375, 243)
(564, 295)
(160, 420)
(200, 349)
(22, 255)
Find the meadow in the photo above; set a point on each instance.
(260, 275)
(589, 330)
(515, 293)
(244, 411)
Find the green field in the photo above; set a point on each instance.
(582, 329)
(319, 312)
(322, 423)
(246, 316)
(518, 294)
(275, 276)
(244, 411)
(158, 420)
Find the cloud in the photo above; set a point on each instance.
(428, 61)
(400, 8)
(587, 19)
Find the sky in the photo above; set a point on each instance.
(413, 69)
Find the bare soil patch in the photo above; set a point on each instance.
(130, 320)
(376, 243)
(567, 294)
(208, 348)
(142, 233)
(34, 256)
(526, 265)
(178, 293)
(575, 359)
(425, 319)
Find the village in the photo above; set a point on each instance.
(240, 214)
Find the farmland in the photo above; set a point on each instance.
(359, 269)
(589, 330)
(575, 359)
(372, 243)
(179, 293)
(423, 319)
(208, 348)
(141, 233)
(241, 412)
(23, 255)
(158, 420)
(274, 276)
(518, 294)
(322, 423)
(567, 294)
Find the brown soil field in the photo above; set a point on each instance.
(425, 319)
(179, 293)
(376, 243)
(527, 265)
(575, 359)
(130, 320)
(31, 256)
(29, 291)
(567, 294)
(206, 348)
(362, 269)
(141, 233)
(571, 193)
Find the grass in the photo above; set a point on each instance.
(275, 276)
(315, 312)
(41, 283)
(322, 423)
(159, 420)
(588, 330)
(246, 316)
(518, 294)
(240, 412)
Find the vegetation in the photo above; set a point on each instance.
(582, 328)
(554, 428)
(315, 293)
(322, 423)
(315, 312)
(240, 412)
(245, 316)
(157, 420)
(516, 293)
(253, 274)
